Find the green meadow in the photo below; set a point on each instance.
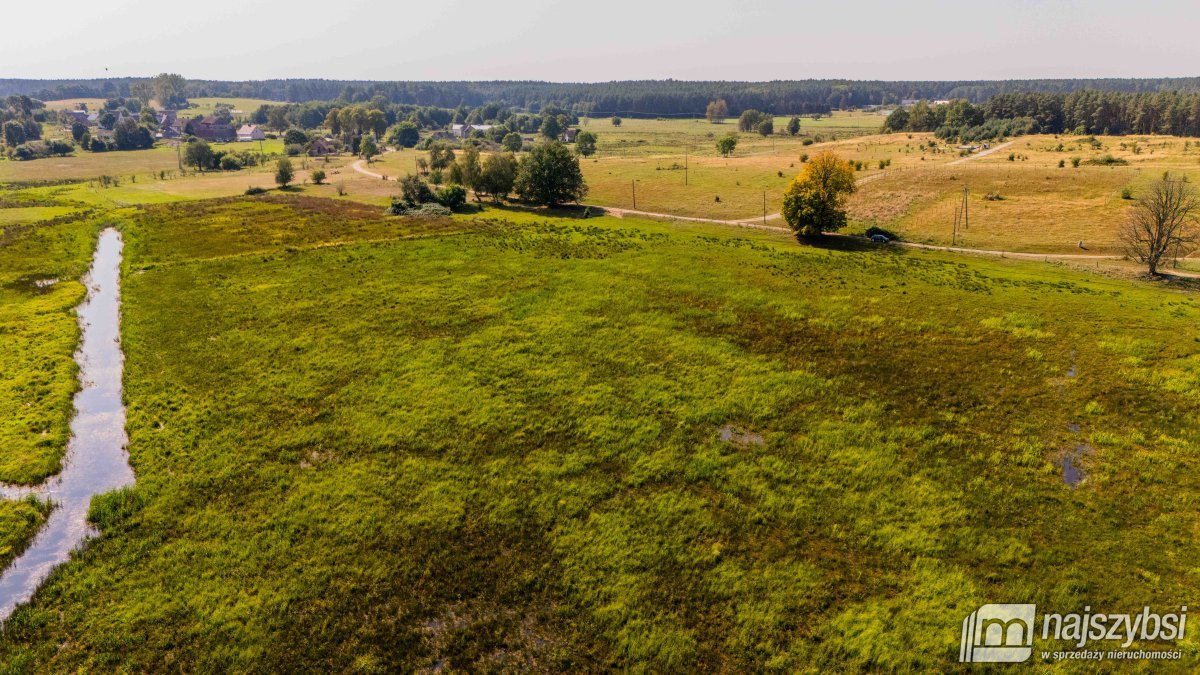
(527, 441)
(40, 270)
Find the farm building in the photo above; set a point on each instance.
(80, 116)
(214, 130)
(568, 135)
(250, 132)
(321, 147)
(465, 130)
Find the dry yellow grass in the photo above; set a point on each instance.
(1042, 207)
(739, 181)
(73, 103)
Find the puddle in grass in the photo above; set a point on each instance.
(95, 461)
(1072, 472)
(730, 434)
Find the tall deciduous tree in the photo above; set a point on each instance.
(284, 173)
(727, 144)
(466, 169)
(551, 128)
(169, 90)
(498, 176)
(404, 135)
(815, 201)
(717, 111)
(441, 156)
(1162, 222)
(513, 142)
(585, 143)
(550, 175)
(367, 147)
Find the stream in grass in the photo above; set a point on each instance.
(96, 460)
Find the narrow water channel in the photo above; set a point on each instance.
(95, 460)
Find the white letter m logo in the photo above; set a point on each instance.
(998, 634)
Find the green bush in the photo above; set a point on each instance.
(1107, 160)
(452, 197)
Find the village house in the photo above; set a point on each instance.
(322, 147)
(80, 116)
(250, 132)
(465, 130)
(212, 129)
(169, 125)
(568, 135)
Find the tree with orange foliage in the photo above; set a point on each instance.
(815, 201)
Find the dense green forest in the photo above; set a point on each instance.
(643, 97)
(1172, 113)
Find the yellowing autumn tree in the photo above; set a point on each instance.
(815, 201)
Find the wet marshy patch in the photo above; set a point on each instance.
(1070, 463)
(35, 285)
(740, 437)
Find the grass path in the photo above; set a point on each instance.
(358, 166)
(985, 153)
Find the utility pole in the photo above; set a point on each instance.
(633, 186)
(686, 150)
(764, 207)
(966, 213)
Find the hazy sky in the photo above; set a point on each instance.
(602, 39)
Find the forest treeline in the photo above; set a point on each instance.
(1170, 113)
(629, 98)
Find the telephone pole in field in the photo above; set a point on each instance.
(961, 216)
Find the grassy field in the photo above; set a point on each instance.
(203, 106)
(93, 104)
(1035, 205)
(207, 106)
(519, 442)
(734, 187)
(640, 137)
(39, 332)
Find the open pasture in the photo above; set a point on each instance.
(741, 180)
(533, 442)
(207, 106)
(1029, 203)
(93, 104)
(638, 137)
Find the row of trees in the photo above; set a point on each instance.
(1085, 112)
(21, 120)
(549, 175)
(648, 97)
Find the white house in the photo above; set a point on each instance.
(250, 132)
